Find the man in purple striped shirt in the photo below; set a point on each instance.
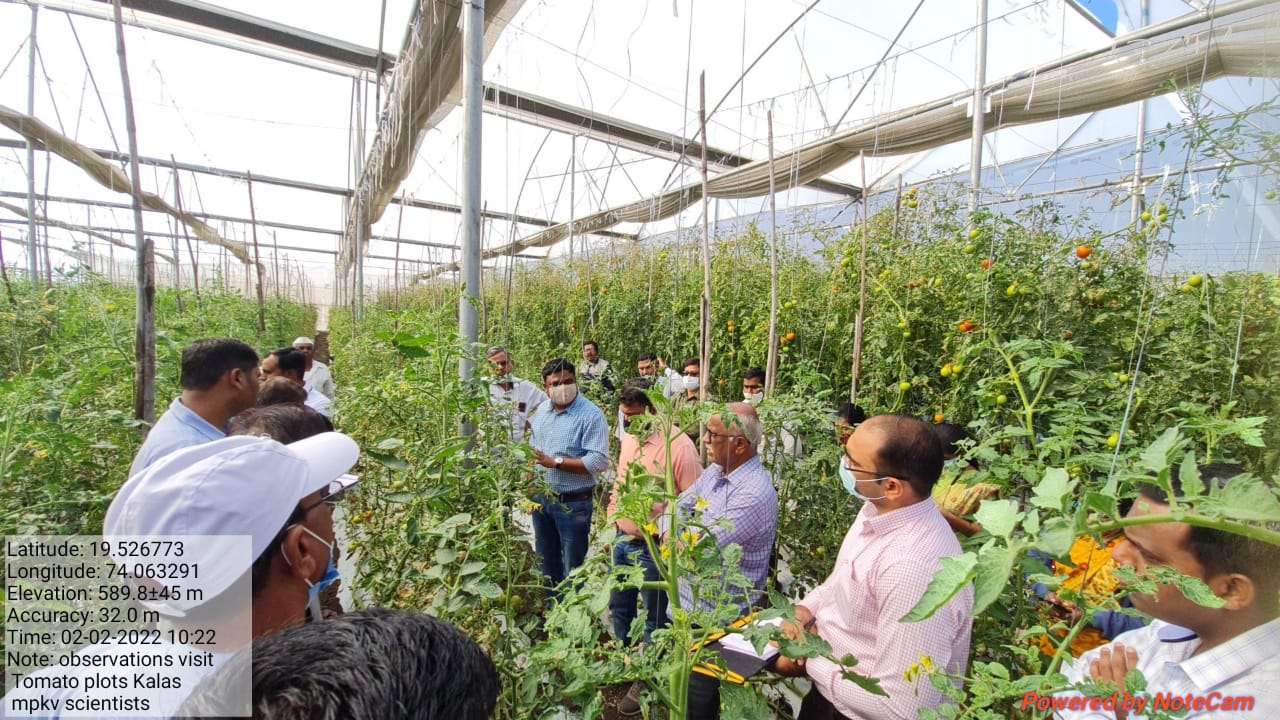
(737, 488)
(895, 546)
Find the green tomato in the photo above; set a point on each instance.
(904, 386)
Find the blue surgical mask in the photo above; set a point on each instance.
(850, 483)
(329, 577)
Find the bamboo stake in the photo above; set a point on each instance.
(771, 371)
(897, 207)
(862, 289)
(395, 297)
(144, 391)
(705, 369)
(257, 259)
(275, 263)
(4, 275)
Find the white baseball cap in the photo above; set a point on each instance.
(303, 341)
(237, 486)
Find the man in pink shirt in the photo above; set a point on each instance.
(644, 456)
(887, 559)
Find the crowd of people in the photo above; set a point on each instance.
(248, 449)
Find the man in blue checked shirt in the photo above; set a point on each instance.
(571, 441)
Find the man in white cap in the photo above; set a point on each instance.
(279, 496)
(317, 374)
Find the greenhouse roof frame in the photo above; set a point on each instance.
(208, 23)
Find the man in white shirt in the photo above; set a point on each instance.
(595, 369)
(515, 398)
(291, 364)
(1214, 662)
(317, 374)
(670, 382)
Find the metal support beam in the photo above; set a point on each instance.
(314, 187)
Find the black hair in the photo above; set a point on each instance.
(635, 396)
(373, 664)
(204, 362)
(643, 383)
(279, 391)
(852, 414)
(291, 360)
(950, 435)
(753, 374)
(1221, 552)
(593, 344)
(647, 356)
(910, 452)
(558, 365)
(693, 361)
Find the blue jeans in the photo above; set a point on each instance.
(622, 603)
(560, 535)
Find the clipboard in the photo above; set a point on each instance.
(738, 665)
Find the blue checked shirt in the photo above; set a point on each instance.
(580, 431)
(747, 498)
(178, 428)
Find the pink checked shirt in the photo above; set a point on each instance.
(884, 566)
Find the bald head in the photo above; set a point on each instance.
(746, 421)
(902, 447)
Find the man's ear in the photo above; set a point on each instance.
(299, 555)
(1237, 590)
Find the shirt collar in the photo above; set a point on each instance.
(877, 523)
(1234, 657)
(749, 467)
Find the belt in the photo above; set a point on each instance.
(576, 495)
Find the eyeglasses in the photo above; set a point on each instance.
(845, 460)
(716, 435)
(336, 491)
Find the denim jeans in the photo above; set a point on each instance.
(560, 536)
(622, 603)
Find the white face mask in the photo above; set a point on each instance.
(562, 395)
(752, 398)
(850, 482)
(690, 382)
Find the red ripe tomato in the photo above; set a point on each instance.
(987, 263)
(1083, 251)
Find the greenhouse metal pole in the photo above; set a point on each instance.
(979, 107)
(771, 365)
(186, 236)
(1140, 139)
(704, 370)
(472, 104)
(33, 262)
(144, 390)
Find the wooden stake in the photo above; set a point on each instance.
(704, 370)
(144, 341)
(399, 224)
(897, 208)
(275, 263)
(257, 260)
(771, 372)
(862, 289)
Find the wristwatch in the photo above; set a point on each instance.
(559, 462)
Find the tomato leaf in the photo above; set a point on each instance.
(1156, 457)
(994, 565)
(1052, 489)
(1189, 476)
(1056, 537)
(956, 572)
(997, 517)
